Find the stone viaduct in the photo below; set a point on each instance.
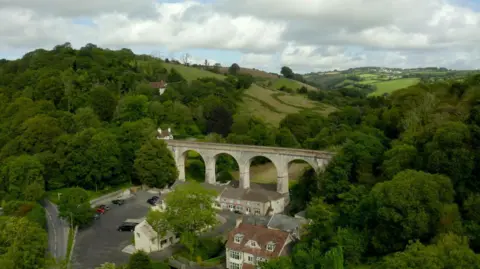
(244, 154)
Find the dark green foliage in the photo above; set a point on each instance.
(139, 260)
(74, 207)
(154, 164)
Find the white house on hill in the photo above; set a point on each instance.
(164, 134)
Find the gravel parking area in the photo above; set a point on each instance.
(102, 242)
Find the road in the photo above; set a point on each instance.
(57, 231)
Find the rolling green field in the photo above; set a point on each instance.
(192, 73)
(266, 103)
(272, 106)
(393, 85)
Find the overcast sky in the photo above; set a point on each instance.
(307, 35)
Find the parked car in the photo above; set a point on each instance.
(104, 207)
(127, 227)
(118, 202)
(153, 200)
(96, 216)
(100, 210)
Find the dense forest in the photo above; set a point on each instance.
(402, 192)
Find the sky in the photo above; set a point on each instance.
(306, 35)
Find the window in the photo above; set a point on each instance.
(238, 238)
(253, 243)
(260, 259)
(234, 254)
(248, 209)
(250, 258)
(238, 207)
(230, 206)
(270, 246)
(235, 265)
(257, 211)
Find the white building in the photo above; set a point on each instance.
(147, 239)
(164, 134)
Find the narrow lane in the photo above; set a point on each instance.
(57, 231)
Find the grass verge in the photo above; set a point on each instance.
(70, 243)
(53, 195)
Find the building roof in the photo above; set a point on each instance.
(256, 220)
(164, 132)
(145, 229)
(158, 84)
(262, 236)
(285, 223)
(301, 214)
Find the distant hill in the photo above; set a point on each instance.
(381, 80)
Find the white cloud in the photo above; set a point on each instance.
(307, 34)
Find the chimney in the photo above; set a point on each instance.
(238, 221)
(169, 130)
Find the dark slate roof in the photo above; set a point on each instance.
(285, 223)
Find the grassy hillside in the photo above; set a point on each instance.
(272, 105)
(252, 71)
(264, 101)
(393, 85)
(192, 73)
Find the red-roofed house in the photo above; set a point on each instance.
(160, 85)
(249, 244)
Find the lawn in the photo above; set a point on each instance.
(287, 83)
(53, 195)
(267, 173)
(192, 73)
(252, 107)
(265, 95)
(393, 85)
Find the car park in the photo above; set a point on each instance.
(127, 227)
(153, 200)
(100, 210)
(118, 202)
(104, 207)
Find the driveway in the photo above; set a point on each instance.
(101, 242)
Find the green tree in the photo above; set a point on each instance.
(411, 206)
(74, 206)
(159, 223)
(23, 244)
(132, 108)
(85, 118)
(103, 102)
(22, 178)
(175, 76)
(233, 69)
(195, 204)
(448, 251)
(399, 158)
(140, 260)
(285, 138)
(287, 72)
(154, 164)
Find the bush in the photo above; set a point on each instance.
(210, 247)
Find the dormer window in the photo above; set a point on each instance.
(253, 243)
(238, 238)
(270, 246)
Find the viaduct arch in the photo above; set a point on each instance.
(244, 154)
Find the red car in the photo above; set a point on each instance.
(100, 210)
